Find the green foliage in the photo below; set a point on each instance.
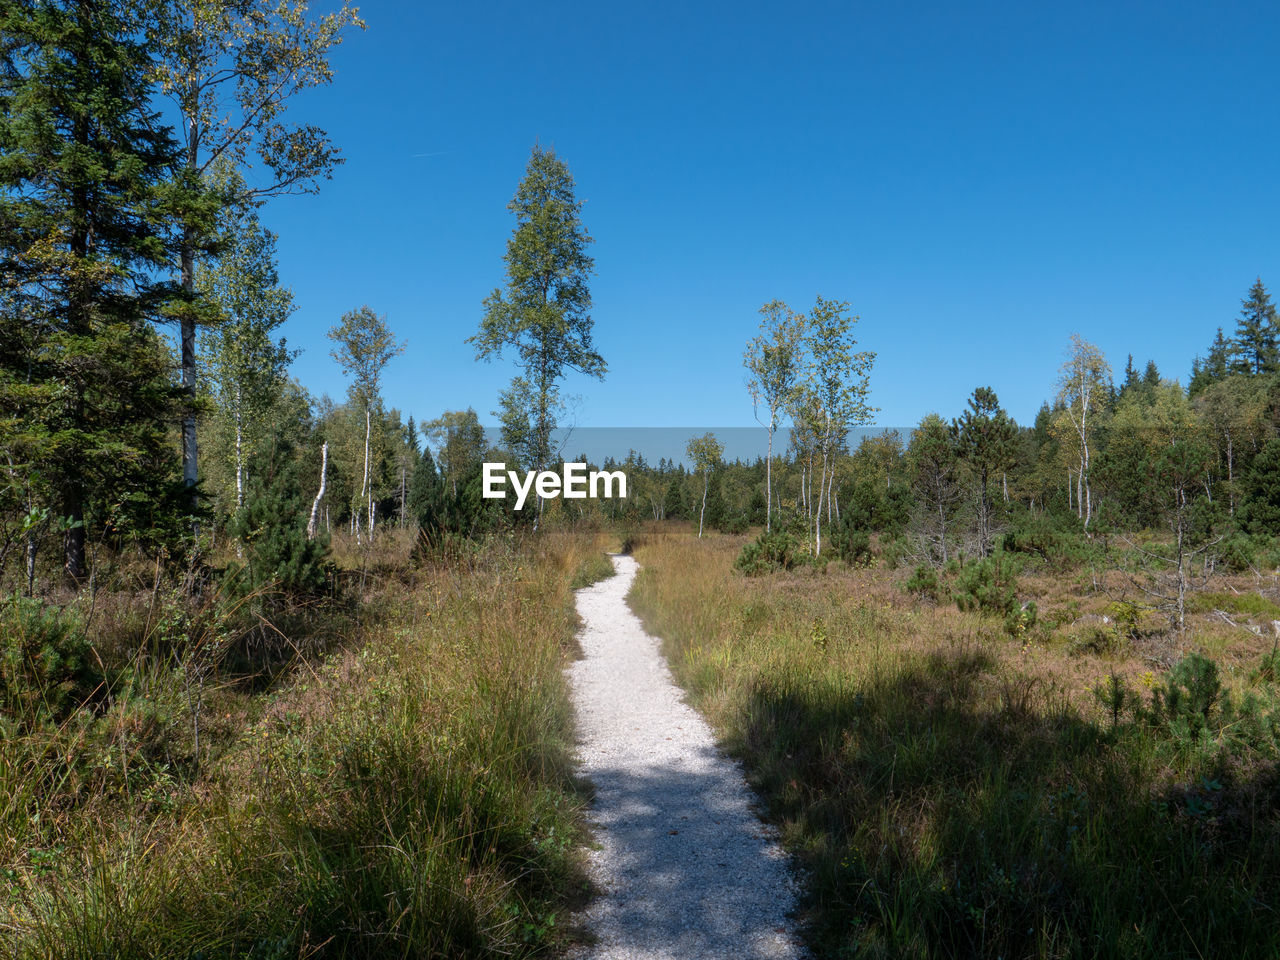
(984, 440)
(851, 544)
(593, 568)
(778, 550)
(923, 582)
(544, 314)
(426, 492)
(1200, 716)
(271, 526)
(1260, 511)
(244, 366)
(1256, 346)
(86, 183)
(459, 519)
(1058, 539)
(44, 654)
(1238, 553)
(990, 586)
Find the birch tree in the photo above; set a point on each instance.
(839, 381)
(705, 452)
(230, 68)
(544, 313)
(774, 360)
(245, 365)
(365, 345)
(1084, 383)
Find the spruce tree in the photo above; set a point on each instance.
(84, 199)
(984, 439)
(426, 492)
(1256, 346)
(1131, 380)
(1214, 368)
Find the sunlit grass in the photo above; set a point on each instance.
(410, 794)
(953, 791)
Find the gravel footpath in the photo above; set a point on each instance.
(685, 867)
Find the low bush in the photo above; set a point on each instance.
(779, 550)
(988, 586)
(43, 659)
(593, 568)
(1199, 715)
(1058, 540)
(851, 544)
(923, 582)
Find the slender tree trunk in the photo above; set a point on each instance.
(239, 454)
(190, 467)
(1231, 480)
(364, 482)
(315, 504)
(703, 512)
(768, 482)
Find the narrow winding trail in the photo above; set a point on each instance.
(686, 868)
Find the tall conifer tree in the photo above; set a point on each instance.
(84, 197)
(1257, 340)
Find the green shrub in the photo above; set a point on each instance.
(1238, 553)
(735, 525)
(988, 586)
(1057, 539)
(923, 582)
(851, 545)
(894, 552)
(43, 658)
(593, 568)
(1194, 710)
(272, 528)
(779, 550)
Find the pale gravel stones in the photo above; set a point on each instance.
(685, 868)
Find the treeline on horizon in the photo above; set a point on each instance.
(115, 231)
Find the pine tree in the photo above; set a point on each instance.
(426, 492)
(1214, 368)
(85, 191)
(1260, 505)
(1256, 346)
(984, 439)
(272, 526)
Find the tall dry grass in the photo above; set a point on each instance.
(954, 792)
(409, 794)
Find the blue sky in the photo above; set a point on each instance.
(979, 180)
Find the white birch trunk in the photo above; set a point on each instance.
(315, 504)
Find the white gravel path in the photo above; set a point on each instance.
(686, 868)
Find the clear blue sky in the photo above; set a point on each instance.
(979, 180)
